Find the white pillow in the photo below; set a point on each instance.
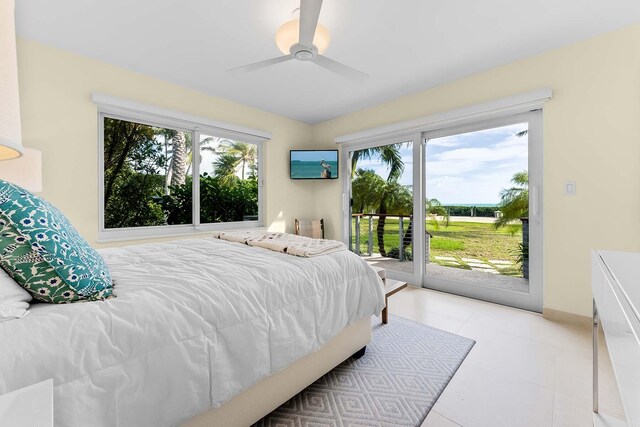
(14, 299)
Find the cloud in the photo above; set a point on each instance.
(477, 165)
(446, 142)
(466, 168)
(496, 152)
(501, 153)
(475, 137)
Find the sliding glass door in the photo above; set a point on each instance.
(457, 209)
(482, 209)
(381, 193)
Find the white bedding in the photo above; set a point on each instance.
(194, 323)
(283, 242)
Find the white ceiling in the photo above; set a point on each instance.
(405, 46)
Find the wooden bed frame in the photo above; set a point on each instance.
(259, 400)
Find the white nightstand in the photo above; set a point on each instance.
(31, 406)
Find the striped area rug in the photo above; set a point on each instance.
(406, 367)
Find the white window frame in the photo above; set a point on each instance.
(111, 107)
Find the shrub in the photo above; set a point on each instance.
(481, 211)
(220, 201)
(395, 253)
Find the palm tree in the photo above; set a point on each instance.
(385, 193)
(225, 168)
(177, 146)
(434, 209)
(395, 199)
(514, 201)
(388, 154)
(203, 145)
(371, 193)
(366, 190)
(244, 153)
(179, 159)
(182, 159)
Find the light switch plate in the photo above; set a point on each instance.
(569, 188)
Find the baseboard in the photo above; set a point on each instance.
(565, 317)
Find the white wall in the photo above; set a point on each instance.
(591, 135)
(59, 118)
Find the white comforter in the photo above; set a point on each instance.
(194, 323)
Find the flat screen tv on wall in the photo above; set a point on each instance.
(313, 164)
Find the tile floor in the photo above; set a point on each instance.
(523, 371)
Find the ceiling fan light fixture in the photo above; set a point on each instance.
(305, 39)
(289, 33)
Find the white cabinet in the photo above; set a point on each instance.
(616, 302)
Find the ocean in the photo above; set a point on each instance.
(478, 205)
(311, 169)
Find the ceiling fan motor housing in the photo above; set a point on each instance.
(302, 52)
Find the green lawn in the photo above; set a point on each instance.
(459, 240)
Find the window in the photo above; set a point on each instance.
(147, 170)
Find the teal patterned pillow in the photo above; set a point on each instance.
(42, 251)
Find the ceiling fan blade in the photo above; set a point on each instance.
(340, 69)
(309, 14)
(261, 64)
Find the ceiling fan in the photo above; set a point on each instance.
(304, 48)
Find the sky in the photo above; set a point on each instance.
(315, 155)
(469, 168)
(207, 158)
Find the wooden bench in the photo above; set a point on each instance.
(390, 287)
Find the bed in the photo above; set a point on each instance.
(202, 332)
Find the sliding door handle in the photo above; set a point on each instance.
(534, 201)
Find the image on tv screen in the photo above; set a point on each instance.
(314, 164)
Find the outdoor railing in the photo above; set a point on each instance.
(405, 232)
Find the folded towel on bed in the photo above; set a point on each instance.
(277, 242)
(315, 247)
(238, 236)
(297, 245)
(282, 242)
